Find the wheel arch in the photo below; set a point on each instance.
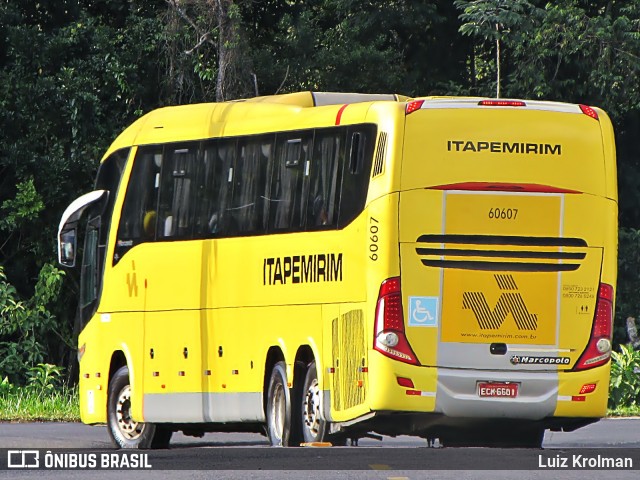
(304, 357)
(118, 360)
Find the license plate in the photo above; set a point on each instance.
(497, 389)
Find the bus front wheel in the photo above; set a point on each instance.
(124, 431)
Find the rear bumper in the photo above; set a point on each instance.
(454, 392)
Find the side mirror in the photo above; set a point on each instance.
(68, 228)
(67, 247)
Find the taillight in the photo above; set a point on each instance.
(598, 350)
(389, 336)
(413, 106)
(502, 103)
(588, 111)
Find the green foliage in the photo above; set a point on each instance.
(28, 404)
(624, 388)
(44, 378)
(29, 333)
(6, 387)
(73, 74)
(493, 19)
(24, 208)
(627, 298)
(44, 398)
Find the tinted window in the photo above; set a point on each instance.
(289, 185)
(325, 171)
(247, 211)
(207, 190)
(89, 274)
(139, 212)
(357, 168)
(286, 181)
(175, 209)
(222, 218)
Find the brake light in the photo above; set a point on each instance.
(598, 349)
(589, 112)
(413, 106)
(389, 335)
(502, 103)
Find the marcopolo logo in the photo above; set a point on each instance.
(509, 302)
(527, 360)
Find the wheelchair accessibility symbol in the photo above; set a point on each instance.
(423, 311)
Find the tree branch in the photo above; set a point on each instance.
(283, 80)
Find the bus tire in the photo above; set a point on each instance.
(314, 426)
(123, 430)
(279, 407)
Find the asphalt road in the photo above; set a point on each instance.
(231, 456)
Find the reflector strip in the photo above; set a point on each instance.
(574, 398)
(420, 393)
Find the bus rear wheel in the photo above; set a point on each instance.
(124, 431)
(314, 426)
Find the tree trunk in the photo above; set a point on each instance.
(225, 46)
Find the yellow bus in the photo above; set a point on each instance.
(325, 266)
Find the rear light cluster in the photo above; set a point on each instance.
(598, 350)
(589, 112)
(389, 336)
(413, 106)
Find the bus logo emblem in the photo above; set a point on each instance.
(509, 302)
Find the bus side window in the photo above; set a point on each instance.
(138, 218)
(208, 183)
(289, 186)
(175, 206)
(247, 209)
(355, 180)
(325, 172)
(220, 220)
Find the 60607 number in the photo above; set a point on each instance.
(503, 213)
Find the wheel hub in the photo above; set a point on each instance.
(311, 409)
(130, 428)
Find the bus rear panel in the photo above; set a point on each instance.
(507, 242)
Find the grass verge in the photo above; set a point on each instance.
(61, 405)
(633, 411)
(31, 405)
